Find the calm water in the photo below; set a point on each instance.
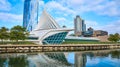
(104, 58)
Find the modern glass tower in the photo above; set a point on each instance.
(30, 17)
(83, 26)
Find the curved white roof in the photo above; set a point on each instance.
(46, 27)
(46, 22)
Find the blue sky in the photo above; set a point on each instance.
(99, 14)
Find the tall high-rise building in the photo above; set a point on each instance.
(83, 26)
(79, 26)
(30, 16)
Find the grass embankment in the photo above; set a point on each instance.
(17, 43)
(73, 42)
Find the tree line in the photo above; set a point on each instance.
(16, 33)
(114, 37)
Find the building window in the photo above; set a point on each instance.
(55, 39)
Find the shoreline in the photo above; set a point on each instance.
(55, 48)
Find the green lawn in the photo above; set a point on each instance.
(73, 42)
(18, 43)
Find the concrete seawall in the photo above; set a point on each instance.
(52, 48)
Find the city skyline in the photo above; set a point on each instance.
(101, 14)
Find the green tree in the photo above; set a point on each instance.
(20, 61)
(4, 34)
(114, 37)
(18, 33)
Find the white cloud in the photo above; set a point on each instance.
(63, 21)
(41, 3)
(113, 27)
(41, 6)
(5, 5)
(92, 24)
(101, 7)
(110, 8)
(59, 8)
(8, 17)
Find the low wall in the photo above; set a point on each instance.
(53, 48)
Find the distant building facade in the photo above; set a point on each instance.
(90, 29)
(79, 26)
(89, 32)
(30, 16)
(94, 33)
(99, 33)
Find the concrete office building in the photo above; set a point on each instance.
(79, 26)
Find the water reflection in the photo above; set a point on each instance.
(80, 60)
(13, 61)
(115, 54)
(49, 60)
(106, 58)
